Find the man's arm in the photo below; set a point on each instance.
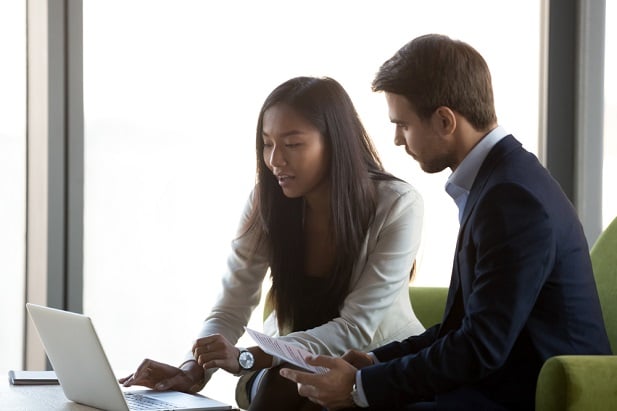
(507, 256)
(408, 346)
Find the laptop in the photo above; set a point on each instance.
(85, 374)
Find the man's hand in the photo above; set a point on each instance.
(358, 359)
(331, 390)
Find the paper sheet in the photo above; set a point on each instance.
(284, 350)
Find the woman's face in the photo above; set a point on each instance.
(295, 152)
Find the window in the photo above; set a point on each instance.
(12, 180)
(609, 206)
(172, 90)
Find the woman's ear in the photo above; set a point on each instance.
(444, 120)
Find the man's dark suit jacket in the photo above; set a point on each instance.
(522, 290)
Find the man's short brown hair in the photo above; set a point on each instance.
(433, 71)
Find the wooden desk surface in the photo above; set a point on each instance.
(36, 397)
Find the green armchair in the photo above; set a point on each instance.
(586, 382)
(566, 382)
(428, 304)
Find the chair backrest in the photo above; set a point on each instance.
(428, 304)
(604, 260)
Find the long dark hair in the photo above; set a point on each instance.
(354, 163)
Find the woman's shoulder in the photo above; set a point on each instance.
(395, 188)
(398, 202)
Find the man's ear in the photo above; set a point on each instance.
(445, 120)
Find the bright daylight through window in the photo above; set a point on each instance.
(12, 180)
(172, 90)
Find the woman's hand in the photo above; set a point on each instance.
(214, 351)
(161, 377)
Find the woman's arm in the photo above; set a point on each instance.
(241, 288)
(241, 284)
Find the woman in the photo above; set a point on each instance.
(338, 234)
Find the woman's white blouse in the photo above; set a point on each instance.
(376, 311)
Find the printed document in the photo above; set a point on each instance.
(285, 351)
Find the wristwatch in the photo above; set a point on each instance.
(355, 396)
(246, 360)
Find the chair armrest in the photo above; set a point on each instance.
(578, 382)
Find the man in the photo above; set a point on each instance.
(522, 287)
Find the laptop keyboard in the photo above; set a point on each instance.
(141, 402)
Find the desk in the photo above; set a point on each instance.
(35, 398)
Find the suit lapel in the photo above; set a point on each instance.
(454, 305)
(493, 158)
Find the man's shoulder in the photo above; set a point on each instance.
(509, 162)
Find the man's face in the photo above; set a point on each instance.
(422, 138)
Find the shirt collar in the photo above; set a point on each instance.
(466, 172)
(460, 181)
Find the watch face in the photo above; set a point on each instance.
(246, 360)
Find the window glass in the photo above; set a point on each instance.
(609, 194)
(172, 91)
(12, 180)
